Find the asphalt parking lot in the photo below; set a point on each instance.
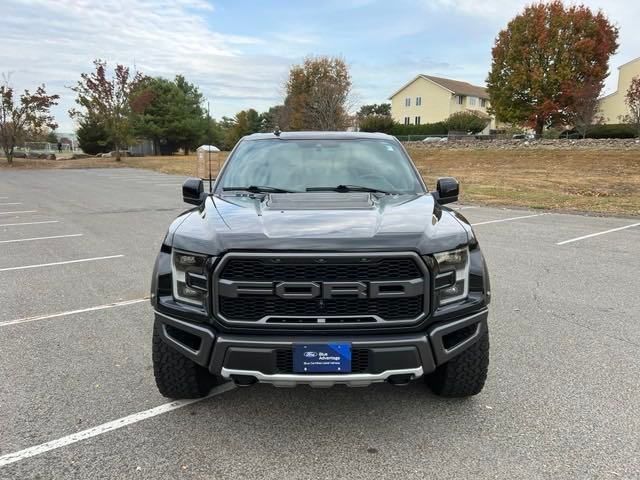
(78, 400)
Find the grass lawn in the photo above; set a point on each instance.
(598, 181)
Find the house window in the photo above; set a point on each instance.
(460, 99)
(483, 103)
(407, 121)
(407, 102)
(472, 101)
(418, 101)
(417, 120)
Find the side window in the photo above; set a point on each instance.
(417, 120)
(472, 101)
(407, 102)
(483, 103)
(460, 99)
(407, 120)
(418, 101)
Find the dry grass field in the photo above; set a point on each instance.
(597, 181)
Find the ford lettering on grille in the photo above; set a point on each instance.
(325, 290)
(329, 290)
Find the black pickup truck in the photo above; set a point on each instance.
(320, 258)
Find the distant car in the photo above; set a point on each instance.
(19, 155)
(434, 139)
(524, 136)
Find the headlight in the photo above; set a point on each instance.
(189, 277)
(452, 279)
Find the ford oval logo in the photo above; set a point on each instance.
(311, 354)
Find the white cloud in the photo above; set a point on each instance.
(54, 41)
(162, 37)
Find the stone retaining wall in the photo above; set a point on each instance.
(586, 144)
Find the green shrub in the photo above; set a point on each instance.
(377, 123)
(93, 138)
(467, 122)
(614, 130)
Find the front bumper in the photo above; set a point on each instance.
(396, 358)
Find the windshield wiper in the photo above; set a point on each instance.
(347, 188)
(258, 189)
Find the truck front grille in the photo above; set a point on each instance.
(324, 289)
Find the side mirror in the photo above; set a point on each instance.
(193, 191)
(448, 189)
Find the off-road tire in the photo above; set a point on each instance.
(464, 375)
(177, 376)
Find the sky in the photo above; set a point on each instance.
(239, 52)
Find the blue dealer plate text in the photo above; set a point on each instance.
(322, 358)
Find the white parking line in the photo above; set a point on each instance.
(124, 303)
(66, 262)
(507, 219)
(28, 223)
(598, 233)
(465, 207)
(12, 203)
(108, 427)
(138, 178)
(41, 238)
(18, 211)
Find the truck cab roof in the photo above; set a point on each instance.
(319, 136)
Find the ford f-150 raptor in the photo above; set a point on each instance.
(320, 258)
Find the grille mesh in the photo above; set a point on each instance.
(254, 308)
(258, 269)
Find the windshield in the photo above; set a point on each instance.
(299, 165)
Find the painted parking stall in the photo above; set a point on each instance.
(80, 401)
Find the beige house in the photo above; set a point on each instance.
(428, 99)
(613, 107)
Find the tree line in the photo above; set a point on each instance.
(171, 113)
(117, 108)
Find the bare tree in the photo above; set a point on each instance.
(586, 105)
(108, 101)
(327, 106)
(29, 113)
(632, 99)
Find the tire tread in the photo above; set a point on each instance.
(177, 376)
(464, 375)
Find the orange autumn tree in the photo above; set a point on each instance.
(542, 61)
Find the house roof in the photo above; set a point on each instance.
(628, 63)
(456, 87)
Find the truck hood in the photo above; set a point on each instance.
(319, 221)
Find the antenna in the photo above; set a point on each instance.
(209, 141)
